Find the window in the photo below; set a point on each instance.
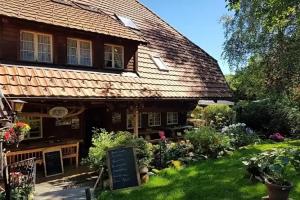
(127, 22)
(172, 118)
(130, 121)
(154, 119)
(35, 47)
(159, 63)
(114, 56)
(35, 124)
(79, 52)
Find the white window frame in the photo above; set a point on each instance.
(164, 67)
(127, 120)
(113, 56)
(152, 114)
(27, 120)
(78, 51)
(172, 118)
(35, 46)
(126, 21)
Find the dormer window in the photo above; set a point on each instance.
(113, 56)
(35, 47)
(79, 52)
(160, 63)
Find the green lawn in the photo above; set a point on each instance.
(209, 180)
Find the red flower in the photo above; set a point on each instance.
(163, 138)
(7, 136)
(162, 135)
(20, 124)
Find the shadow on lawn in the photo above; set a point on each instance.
(210, 180)
(223, 178)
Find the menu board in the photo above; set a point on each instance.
(122, 166)
(53, 163)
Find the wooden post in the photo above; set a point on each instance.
(136, 121)
(2, 158)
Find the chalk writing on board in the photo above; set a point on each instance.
(122, 168)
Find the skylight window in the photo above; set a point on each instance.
(160, 63)
(86, 6)
(127, 22)
(64, 2)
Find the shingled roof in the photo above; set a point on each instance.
(67, 14)
(192, 72)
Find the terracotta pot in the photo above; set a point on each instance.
(144, 178)
(144, 174)
(277, 192)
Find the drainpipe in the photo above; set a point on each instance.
(136, 121)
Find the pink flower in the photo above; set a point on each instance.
(162, 135)
(7, 136)
(163, 138)
(277, 137)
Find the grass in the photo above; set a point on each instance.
(208, 180)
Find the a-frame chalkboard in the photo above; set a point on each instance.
(53, 163)
(122, 168)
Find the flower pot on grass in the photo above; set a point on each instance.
(278, 192)
(144, 174)
(273, 167)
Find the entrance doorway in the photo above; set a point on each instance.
(94, 118)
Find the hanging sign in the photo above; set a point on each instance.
(116, 118)
(58, 112)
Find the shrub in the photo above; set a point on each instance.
(240, 135)
(208, 142)
(273, 165)
(218, 116)
(197, 113)
(270, 115)
(103, 140)
(196, 122)
(19, 193)
(168, 152)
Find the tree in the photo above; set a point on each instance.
(248, 83)
(265, 35)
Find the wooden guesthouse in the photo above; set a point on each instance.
(108, 64)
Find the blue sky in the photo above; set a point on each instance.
(199, 20)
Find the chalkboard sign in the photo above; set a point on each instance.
(53, 163)
(123, 171)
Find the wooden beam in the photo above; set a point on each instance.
(72, 113)
(136, 121)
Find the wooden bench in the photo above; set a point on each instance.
(69, 151)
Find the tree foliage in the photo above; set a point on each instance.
(264, 36)
(248, 83)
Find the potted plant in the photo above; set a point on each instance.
(271, 167)
(16, 133)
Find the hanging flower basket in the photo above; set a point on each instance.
(16, 133)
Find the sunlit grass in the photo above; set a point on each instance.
(208, 180)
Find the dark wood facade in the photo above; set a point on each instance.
(10, 44)
(97, 113)
(100, 115)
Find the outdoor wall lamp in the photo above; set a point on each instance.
(17, 105)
